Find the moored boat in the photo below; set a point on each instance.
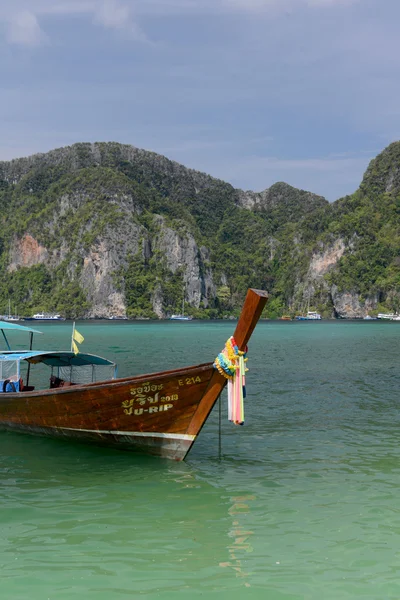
(311, 315)
(11, 317)
(180, 318)
(118, 318)
(159, 413)
(43, 316)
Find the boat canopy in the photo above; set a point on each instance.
(56, 359)
(6, 325)
(65, 367)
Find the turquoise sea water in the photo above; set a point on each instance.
(304, 503)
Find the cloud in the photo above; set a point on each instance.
(24, 29)
(251, 5)
(286, 5)
(23, 18)
(111, 14)
(322, 3)
(115, 15)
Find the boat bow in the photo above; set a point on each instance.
(251, 312)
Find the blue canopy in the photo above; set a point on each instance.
(56, 359)
(8, 325)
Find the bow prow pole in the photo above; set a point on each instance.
(251, 312)
(252, 308)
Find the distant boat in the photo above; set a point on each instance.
(42, 316)
(389, 316)
(285, 318)
(311, 315)
(11, 317)
(117, 318)
(369, 318)
(181, 317)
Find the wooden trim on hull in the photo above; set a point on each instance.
(165, 445)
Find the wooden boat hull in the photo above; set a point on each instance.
(159, 413)
(150, 413)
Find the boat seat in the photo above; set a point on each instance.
(6, 385)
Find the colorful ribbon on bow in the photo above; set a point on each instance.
(231, 364)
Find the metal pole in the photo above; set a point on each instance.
(220, 428)
(29, 364)
(6, 340)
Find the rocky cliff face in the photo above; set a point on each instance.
(26, 252)
(182, 252)
(348, 305)
(95, 265)
(322, 262)
(100, 262)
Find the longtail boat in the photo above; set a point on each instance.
(158, 413)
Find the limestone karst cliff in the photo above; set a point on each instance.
(96, 230)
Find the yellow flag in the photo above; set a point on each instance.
(75, 348)
(78, 337)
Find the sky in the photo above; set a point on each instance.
(250, 91)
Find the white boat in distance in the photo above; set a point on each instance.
(181, 317)
(389, 316)
(45, 317)
(11, 317)
(311, 315)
